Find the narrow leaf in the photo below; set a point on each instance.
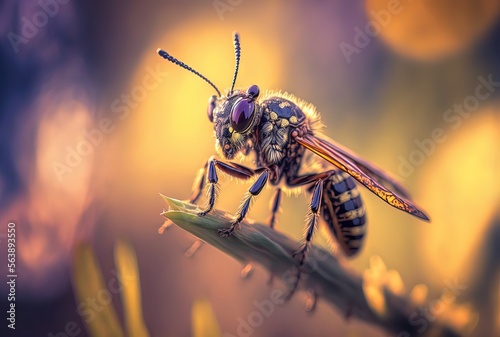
(126, 263)
(203, 320)
(89, 285)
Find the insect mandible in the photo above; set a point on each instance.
(279, 130)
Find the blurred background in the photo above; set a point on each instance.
(93, 125)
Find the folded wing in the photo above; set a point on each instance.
(364, 172)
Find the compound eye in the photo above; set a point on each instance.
(242, 115)
(211, 108)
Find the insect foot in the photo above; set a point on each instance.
(203, 213)
(225, 233)
(299, 254)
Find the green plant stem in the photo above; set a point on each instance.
(328, 277)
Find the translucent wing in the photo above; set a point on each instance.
(366, 173)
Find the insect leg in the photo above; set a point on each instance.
(313, 216)
(199, 184)
(253, 191)
(235, 170)
(212, 188)
(275, 205)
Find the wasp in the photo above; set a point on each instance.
(283, 133)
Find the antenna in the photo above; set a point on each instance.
(172, 59)
(237, 53)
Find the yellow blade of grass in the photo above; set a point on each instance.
(203, 320)
(92, 293)
(126, 263)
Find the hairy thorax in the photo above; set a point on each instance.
(280, 116)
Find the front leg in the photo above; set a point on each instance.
(233, 169)
(212, 188)
(253, 191)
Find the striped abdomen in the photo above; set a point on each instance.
(343, 211)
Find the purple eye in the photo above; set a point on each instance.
(242, 115)
(211, 107)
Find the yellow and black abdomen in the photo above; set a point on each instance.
(343, 211)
